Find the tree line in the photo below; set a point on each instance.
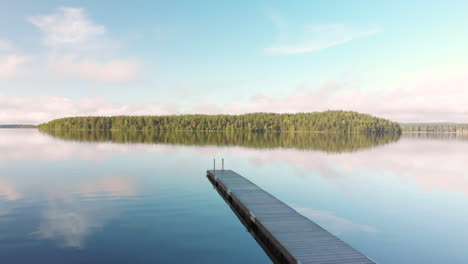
(328, 121)
(17, 126)
(435, 128)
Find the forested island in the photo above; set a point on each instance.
(435, 128)
(328, 121)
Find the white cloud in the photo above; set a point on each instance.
(120, 70)
(422, 100)
(432, 97)
(18, 109)
(5, 44)
(9, 65)
(67, 26)
(318, 37)
(77, 47)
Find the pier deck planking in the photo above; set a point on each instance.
(285, 235)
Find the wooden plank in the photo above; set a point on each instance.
(285, 235)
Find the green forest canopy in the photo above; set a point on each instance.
(328, 121)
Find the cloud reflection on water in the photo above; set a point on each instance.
(68, 220)
(416, 160)
(8, 191)
(335, 224)
(69, 223)
(65, 220)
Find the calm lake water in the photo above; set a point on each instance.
(144, 198)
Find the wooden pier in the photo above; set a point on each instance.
(284, 234)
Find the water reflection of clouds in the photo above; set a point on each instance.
(418, 160)
(28, 144)
(4, 211)
(70, 223)
(336, 225)
(67, 220)
(108, 185)
(433, 165)
(8, 190)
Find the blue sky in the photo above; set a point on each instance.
(403, 60)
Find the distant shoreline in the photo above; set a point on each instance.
(17, 126)
(438, 128)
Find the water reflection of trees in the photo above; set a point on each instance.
(328, 142)
(436, 136)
